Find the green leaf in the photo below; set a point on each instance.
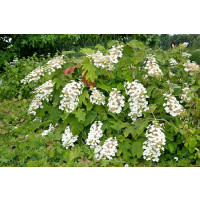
(75, 127)
(83, 97)
(90, 117)
(137, 44)
(90, 69)
(86, 51)
(55, 114)
(136, 147)
(118, 125)
(80, 114)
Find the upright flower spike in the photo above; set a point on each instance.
(155, 141)
(115, 101)
(107, 62)
(152, 67)
(70, 96)
(68, 139)
(107, 150)
(97, 97)
(137, 99)
(172, 106)
(95, 134)
(34, 76)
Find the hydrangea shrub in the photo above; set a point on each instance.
(127, 101)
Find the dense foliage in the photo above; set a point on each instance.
(123, 104)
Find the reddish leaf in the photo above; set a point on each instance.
(89, 83)
(69, 70)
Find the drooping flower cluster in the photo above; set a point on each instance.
(186, 55)
(107, 150)
(54, 63)
(97, 97)
(115, 101)
(172, 106)
(173, 62)
(95, 134)
(107, 61)
(152, 67)
(68, 139)
(184, 96)
(155, 142)
(34, 75)
(44, 92)
(49, 130)
(191, 66)
(137, 100)
(70, 96)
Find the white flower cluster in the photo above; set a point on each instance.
(184, 96)
(185, 44)
(95, 134)
(115, 101)
(107, 150)
(42, 93)
(49, 130)
(70, 96)
(68, 139)
(137, 100)
(173, 107)
(173, 62)
(155, 142)
(152, 67)
(186, 55)
(107, 61)
(97, 97)
(34, 75)
(191, 66)
(54, 63)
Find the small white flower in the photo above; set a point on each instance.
(126, 165)
(175, 158)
